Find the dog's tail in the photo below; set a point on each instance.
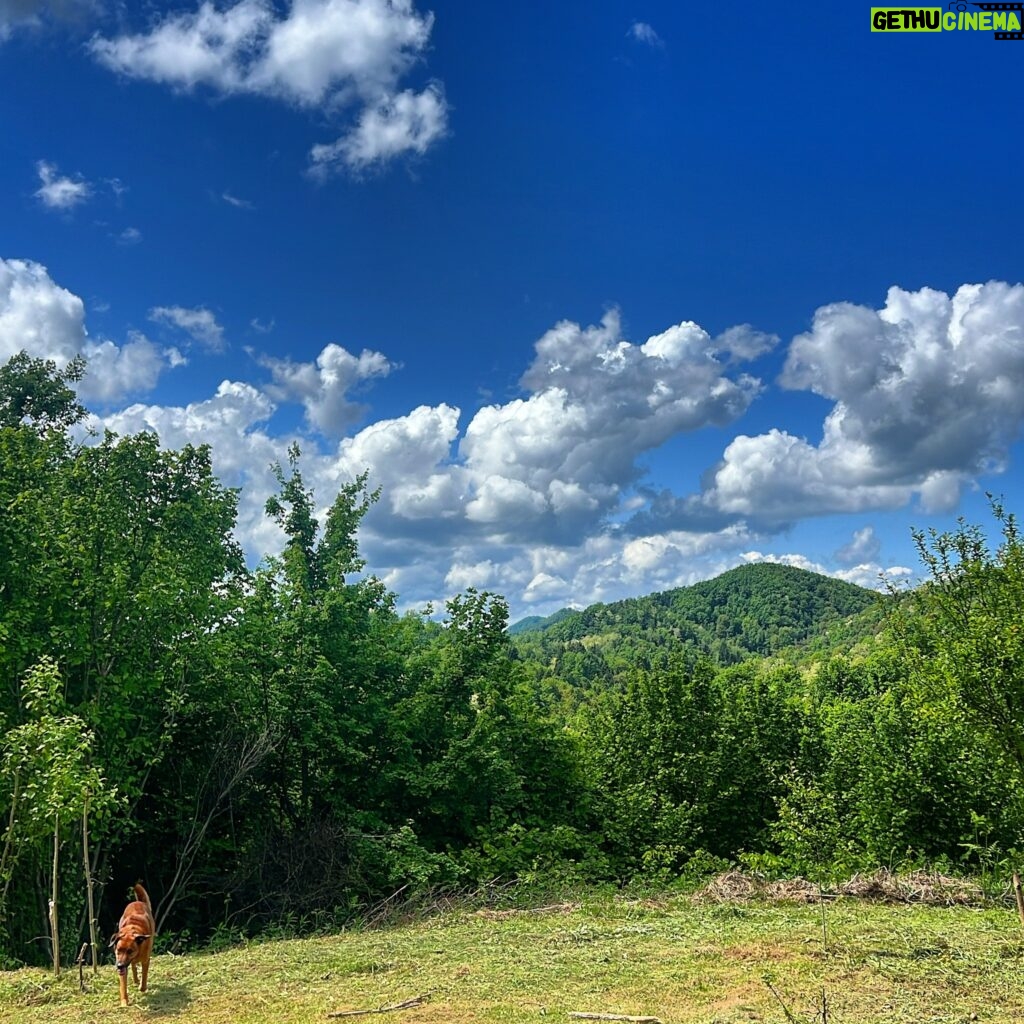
(143, 897)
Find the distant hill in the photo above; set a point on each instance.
(533, 623)
(754, 610)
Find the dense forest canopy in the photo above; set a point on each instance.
(271, 744)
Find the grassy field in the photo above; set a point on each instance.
(677, 959)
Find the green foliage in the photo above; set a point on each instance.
(963, 632)
(693, 761)
(49, 778)
(281, 745)
(35, 392)
(890, 781)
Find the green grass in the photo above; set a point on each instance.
(672, 958)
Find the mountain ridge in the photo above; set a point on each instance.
(755, 610)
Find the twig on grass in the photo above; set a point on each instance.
(824, 1013)
(785, 1009)
(405, 1004)
(615, 1016)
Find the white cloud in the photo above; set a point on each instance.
(565, 455)
(48, 322)
(37, 315)
(322, 387)
(114, 371)
(130, 236)
(644, 33)
(745, 342)
(404, 123)
(408, 457)
(198, 323)
(327, 55)
(58, 192)
(864, 546)
(928, 394)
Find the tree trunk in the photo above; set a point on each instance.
(1019, 894)
(8, 847)
(88, 887)
(53, 897)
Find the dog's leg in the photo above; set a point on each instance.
(123, 981)
(145, 972)
(135, 974)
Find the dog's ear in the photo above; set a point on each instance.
(113, 939)
(142, 938)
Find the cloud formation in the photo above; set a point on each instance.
(198, 323)
(407, 122)
(864, 546)
(326, 55)
(48, 322)
(928, 394)
(564, 456)
(644, 33)
(535, 496)
(322, 387)
(60, 192)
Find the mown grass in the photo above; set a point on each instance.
(680, 960)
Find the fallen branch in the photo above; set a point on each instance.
(615, 1016)
(404, 1005)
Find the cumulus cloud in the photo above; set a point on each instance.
(48, 322)
(562, 458)
(59, 192)
(527, 497)
(322, 386)
(407, 122)
(198, 323)
(327, 55)
(744, 342)
(928, 394)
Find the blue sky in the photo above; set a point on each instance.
(607, 298)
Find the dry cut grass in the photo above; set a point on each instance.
(711, 960)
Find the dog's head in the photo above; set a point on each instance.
(125, 945)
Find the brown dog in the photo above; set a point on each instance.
(133, 942)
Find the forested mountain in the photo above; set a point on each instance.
(752, 611)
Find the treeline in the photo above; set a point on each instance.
(280, 744)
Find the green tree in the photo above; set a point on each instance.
(116, 562)
(36, 392)
(963, 630)
(48, 759)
